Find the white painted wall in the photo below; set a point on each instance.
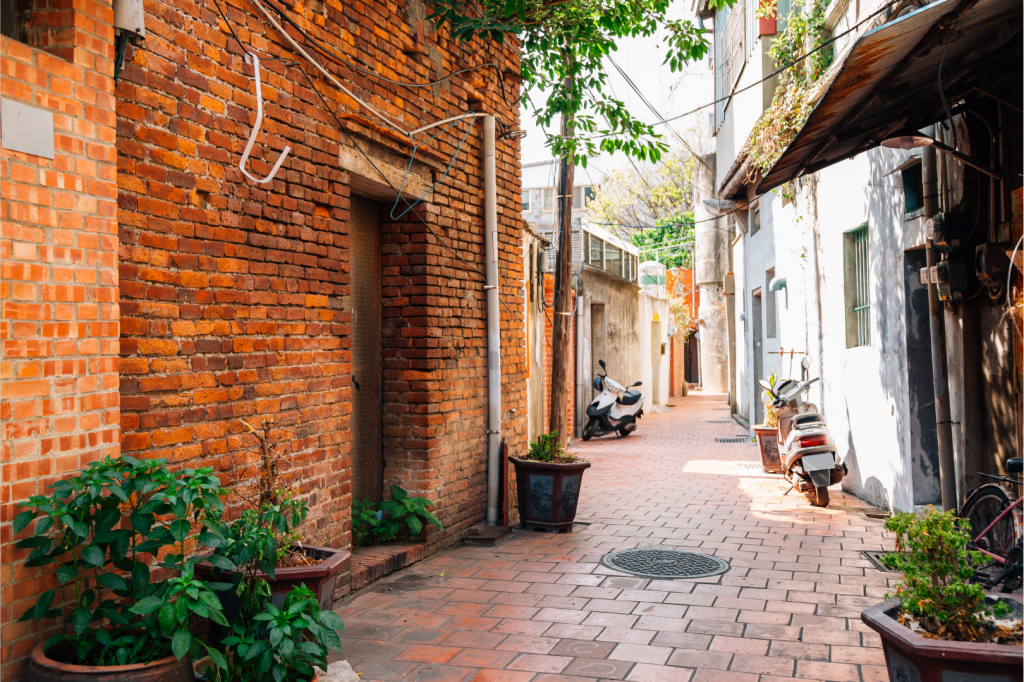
(650, 307)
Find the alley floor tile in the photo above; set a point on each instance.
(542, 608)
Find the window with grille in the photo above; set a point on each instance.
(857, 278)
(613, 260)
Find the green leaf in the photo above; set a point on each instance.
(21, 521)
(167, 619)
(140, 576)
(330, 638)
(179, 529)
(332, 620)
(80, 619)
(398, 493)
(113, 581)
(180, 642)
(76, 527)
(276, 635)
(94, 555)
(415, 525)
(217, 657)
(222, 562)
(147, 606)
(66, 574)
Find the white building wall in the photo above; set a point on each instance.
(654, 309)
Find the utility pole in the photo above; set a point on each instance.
(562, 323)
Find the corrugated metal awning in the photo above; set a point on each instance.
(888, 81)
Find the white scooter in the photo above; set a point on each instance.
(807, 451)
(616, 408)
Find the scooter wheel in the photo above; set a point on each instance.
(623, 432)
(820, 497)
(588, 430)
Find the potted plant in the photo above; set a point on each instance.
(768, 432)
(548, 484)
(118, 535)
(270, 519)
(940, 626)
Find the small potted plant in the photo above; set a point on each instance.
(118, 534)
(940, 626)
(270, 518)
(768, 433)
(548, 482)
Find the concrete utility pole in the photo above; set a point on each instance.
(940, 382)
(562, 322)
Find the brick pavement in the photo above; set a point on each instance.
(541, 608)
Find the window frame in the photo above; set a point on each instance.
(857, 285)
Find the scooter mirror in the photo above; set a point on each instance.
(806, 362)
(601, 362)
(639, 383)
(765, 385)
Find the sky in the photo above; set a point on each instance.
(670, 93)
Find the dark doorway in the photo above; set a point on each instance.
(691, 363)
(924, 446)
(366, 420)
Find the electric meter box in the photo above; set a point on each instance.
(950, 277)
(948, 231)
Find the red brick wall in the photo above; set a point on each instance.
(234, 295)
(58, 288)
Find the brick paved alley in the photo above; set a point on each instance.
(541, 608)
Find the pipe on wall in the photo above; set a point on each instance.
(940, 380)
(493, 330)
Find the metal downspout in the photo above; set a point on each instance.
(940, 381)
(493, 329)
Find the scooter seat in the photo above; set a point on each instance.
(629, 398)
(1015, 465)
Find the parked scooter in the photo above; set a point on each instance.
(616, 408)
(806, 449)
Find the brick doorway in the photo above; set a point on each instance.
(366, 420)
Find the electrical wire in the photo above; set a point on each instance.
(352, 141)
(326, 51)
(791, 64)
(120, 57)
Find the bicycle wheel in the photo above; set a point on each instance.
(981, 509)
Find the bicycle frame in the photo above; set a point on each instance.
(1009, 509)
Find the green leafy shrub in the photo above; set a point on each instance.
(937, 567)
(771, 414)
(549, 448)
(373, 525)
(281, 644)
(105, 528)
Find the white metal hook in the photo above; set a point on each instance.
(250, 57)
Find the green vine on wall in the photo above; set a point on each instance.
(790, 107)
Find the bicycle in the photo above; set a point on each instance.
(996, 522)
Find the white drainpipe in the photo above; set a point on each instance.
(493, 330)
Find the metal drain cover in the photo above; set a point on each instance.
(664, 564)
(719, 421)
(732, 440)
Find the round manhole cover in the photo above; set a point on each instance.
(664, 564)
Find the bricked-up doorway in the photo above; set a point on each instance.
(366, 422)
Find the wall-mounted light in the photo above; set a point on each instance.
(908, 142)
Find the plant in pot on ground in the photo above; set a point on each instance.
(767, 433)
(270, 515)
(118, 533)
(372, 524)
(548, 482)
(939, 620)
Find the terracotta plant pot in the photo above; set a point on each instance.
(321, 578)
(768, 444)
(41, 668)
(911, 657)
(548, 493)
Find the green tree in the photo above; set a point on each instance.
(670, 243)
(632, 197)
(563, 44)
